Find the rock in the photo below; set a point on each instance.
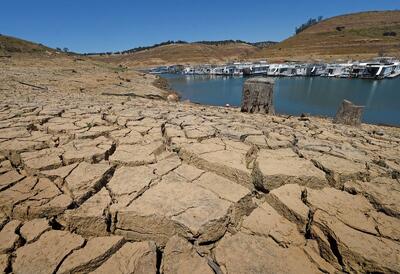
(180, 257)
(139, 257)
(349, 114)
(172, 97)
(9, 239)
(257, 95)
(263, 255)
(92, 255)
(33, 229)
(44, 255)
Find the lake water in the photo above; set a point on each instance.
(296, 95)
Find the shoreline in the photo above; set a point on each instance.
(236, 93)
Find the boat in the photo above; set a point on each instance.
(273, 70)
(395, 71)
(159, 70)
(302, 70)
(377, 71)
(256, 70)
(318, 70)
(287, 70)
(339, 70)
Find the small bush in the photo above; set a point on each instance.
(389, 33)
(340, 28)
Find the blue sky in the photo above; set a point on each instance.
(99, 25)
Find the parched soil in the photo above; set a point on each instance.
(113, 179)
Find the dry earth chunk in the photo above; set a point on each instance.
(8, 237)
(262, 255)
(44, 255)
(135, 155)
(265, 221)
(174, 208)
(33, 229)
(138, 257)
(10, 178)
(180, 257)
(86, 179)
(283, 166)
(92, 217)
(92, 255)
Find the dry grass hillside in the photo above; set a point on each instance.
(358, 36)
(11, 45)
(184, 53)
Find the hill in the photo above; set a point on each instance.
(182, 53)
(359, 36)
(11, 45)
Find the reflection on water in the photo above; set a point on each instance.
(296, 95)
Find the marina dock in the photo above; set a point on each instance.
(378, 68)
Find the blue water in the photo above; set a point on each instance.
(296, 95)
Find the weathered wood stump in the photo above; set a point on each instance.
(257, 95)
(349, 114)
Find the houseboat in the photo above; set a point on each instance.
(256, 69)
(287, 70)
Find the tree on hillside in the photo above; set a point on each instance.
(66, 49)
(309, 23)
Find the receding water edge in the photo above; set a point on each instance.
(316, 96)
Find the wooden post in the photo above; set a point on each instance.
(349, 114)
(257, 95)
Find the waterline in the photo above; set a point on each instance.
(296, 95)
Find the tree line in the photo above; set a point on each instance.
(171, 42)
(309, 23)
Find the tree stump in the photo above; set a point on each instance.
(349, 114)
(257, 95)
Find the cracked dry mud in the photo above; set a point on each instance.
(99, 183)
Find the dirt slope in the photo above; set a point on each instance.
(185, 53)
(358, 36)
(11, 45)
